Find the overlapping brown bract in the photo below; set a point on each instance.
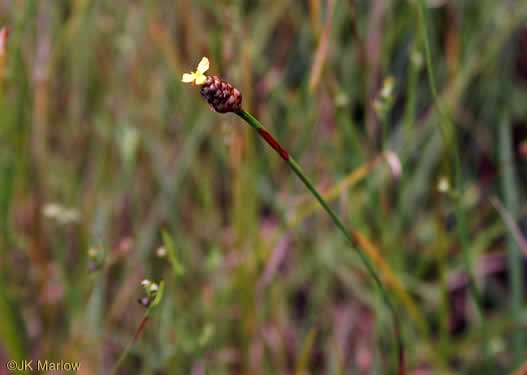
(221, 95)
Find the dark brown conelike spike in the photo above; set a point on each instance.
(221, 95)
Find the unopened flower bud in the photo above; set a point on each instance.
(93, 266)
(145, 301)
(161, 251)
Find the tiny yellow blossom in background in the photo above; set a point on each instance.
(443, 186)
(198, 77)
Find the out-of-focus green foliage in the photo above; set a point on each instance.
(102, 145)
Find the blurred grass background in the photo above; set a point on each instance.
(102, 147)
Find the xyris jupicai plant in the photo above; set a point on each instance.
(224, 98)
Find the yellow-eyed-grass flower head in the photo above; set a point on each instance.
(221, 95)
(151, 289)
(96, 258)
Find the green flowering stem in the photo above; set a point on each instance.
(448, 134)
(156, 299)
(256, 125)
(130, 344)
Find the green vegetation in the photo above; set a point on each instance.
(408, 116)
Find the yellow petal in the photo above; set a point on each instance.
(203, 65)
(200, 79)
(187, 78)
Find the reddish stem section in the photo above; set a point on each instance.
(402, 360)
(274, 144)
(140, 329)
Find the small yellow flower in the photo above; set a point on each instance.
(197, 77)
